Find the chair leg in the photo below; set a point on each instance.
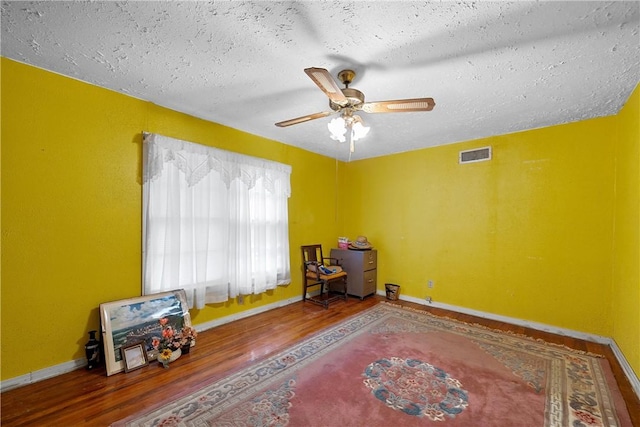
(320, 299)
(325, 302)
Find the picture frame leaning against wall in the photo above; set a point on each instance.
(126, 322)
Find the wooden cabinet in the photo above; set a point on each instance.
(361, 268)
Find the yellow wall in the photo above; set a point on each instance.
(71, 208)
(526, 235)
(626, 276)
(529, 234)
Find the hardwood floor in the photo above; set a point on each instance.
(91, 398)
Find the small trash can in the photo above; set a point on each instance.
(392, 291)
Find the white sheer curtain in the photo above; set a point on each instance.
(215, 223)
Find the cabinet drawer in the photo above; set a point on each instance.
(370, 284)
(369, 260)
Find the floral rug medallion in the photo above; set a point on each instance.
(415, 388)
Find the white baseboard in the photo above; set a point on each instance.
(72, 365)
(626, 367)
(42, 374)
(247, 313)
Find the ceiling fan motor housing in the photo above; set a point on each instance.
(354, 97)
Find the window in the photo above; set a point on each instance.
(215, 223)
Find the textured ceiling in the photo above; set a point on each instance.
(492, 67)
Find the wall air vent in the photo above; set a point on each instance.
(475, 155)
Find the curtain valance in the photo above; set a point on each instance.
(197, 161)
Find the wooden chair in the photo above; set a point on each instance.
(313, 264)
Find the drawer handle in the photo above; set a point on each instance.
(370, 262)
(370, 280)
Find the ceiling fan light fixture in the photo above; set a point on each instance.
(348, 125)
(359, 131)
(338, 129)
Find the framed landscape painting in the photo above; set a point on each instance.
(134, 320)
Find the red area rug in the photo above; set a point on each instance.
(396, 366)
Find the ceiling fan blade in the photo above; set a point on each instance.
(327, 84)
(399, 106)
(303, 119)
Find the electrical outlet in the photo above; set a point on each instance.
(430, 284)
(428, 300)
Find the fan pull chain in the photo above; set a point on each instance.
(352, 147)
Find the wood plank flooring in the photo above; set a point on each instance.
(91, 398)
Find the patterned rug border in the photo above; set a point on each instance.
(497, 331)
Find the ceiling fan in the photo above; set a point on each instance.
(348, 101)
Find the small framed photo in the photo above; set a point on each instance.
(134, 356)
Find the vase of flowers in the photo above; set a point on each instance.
(170, 344)
(187, 337)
